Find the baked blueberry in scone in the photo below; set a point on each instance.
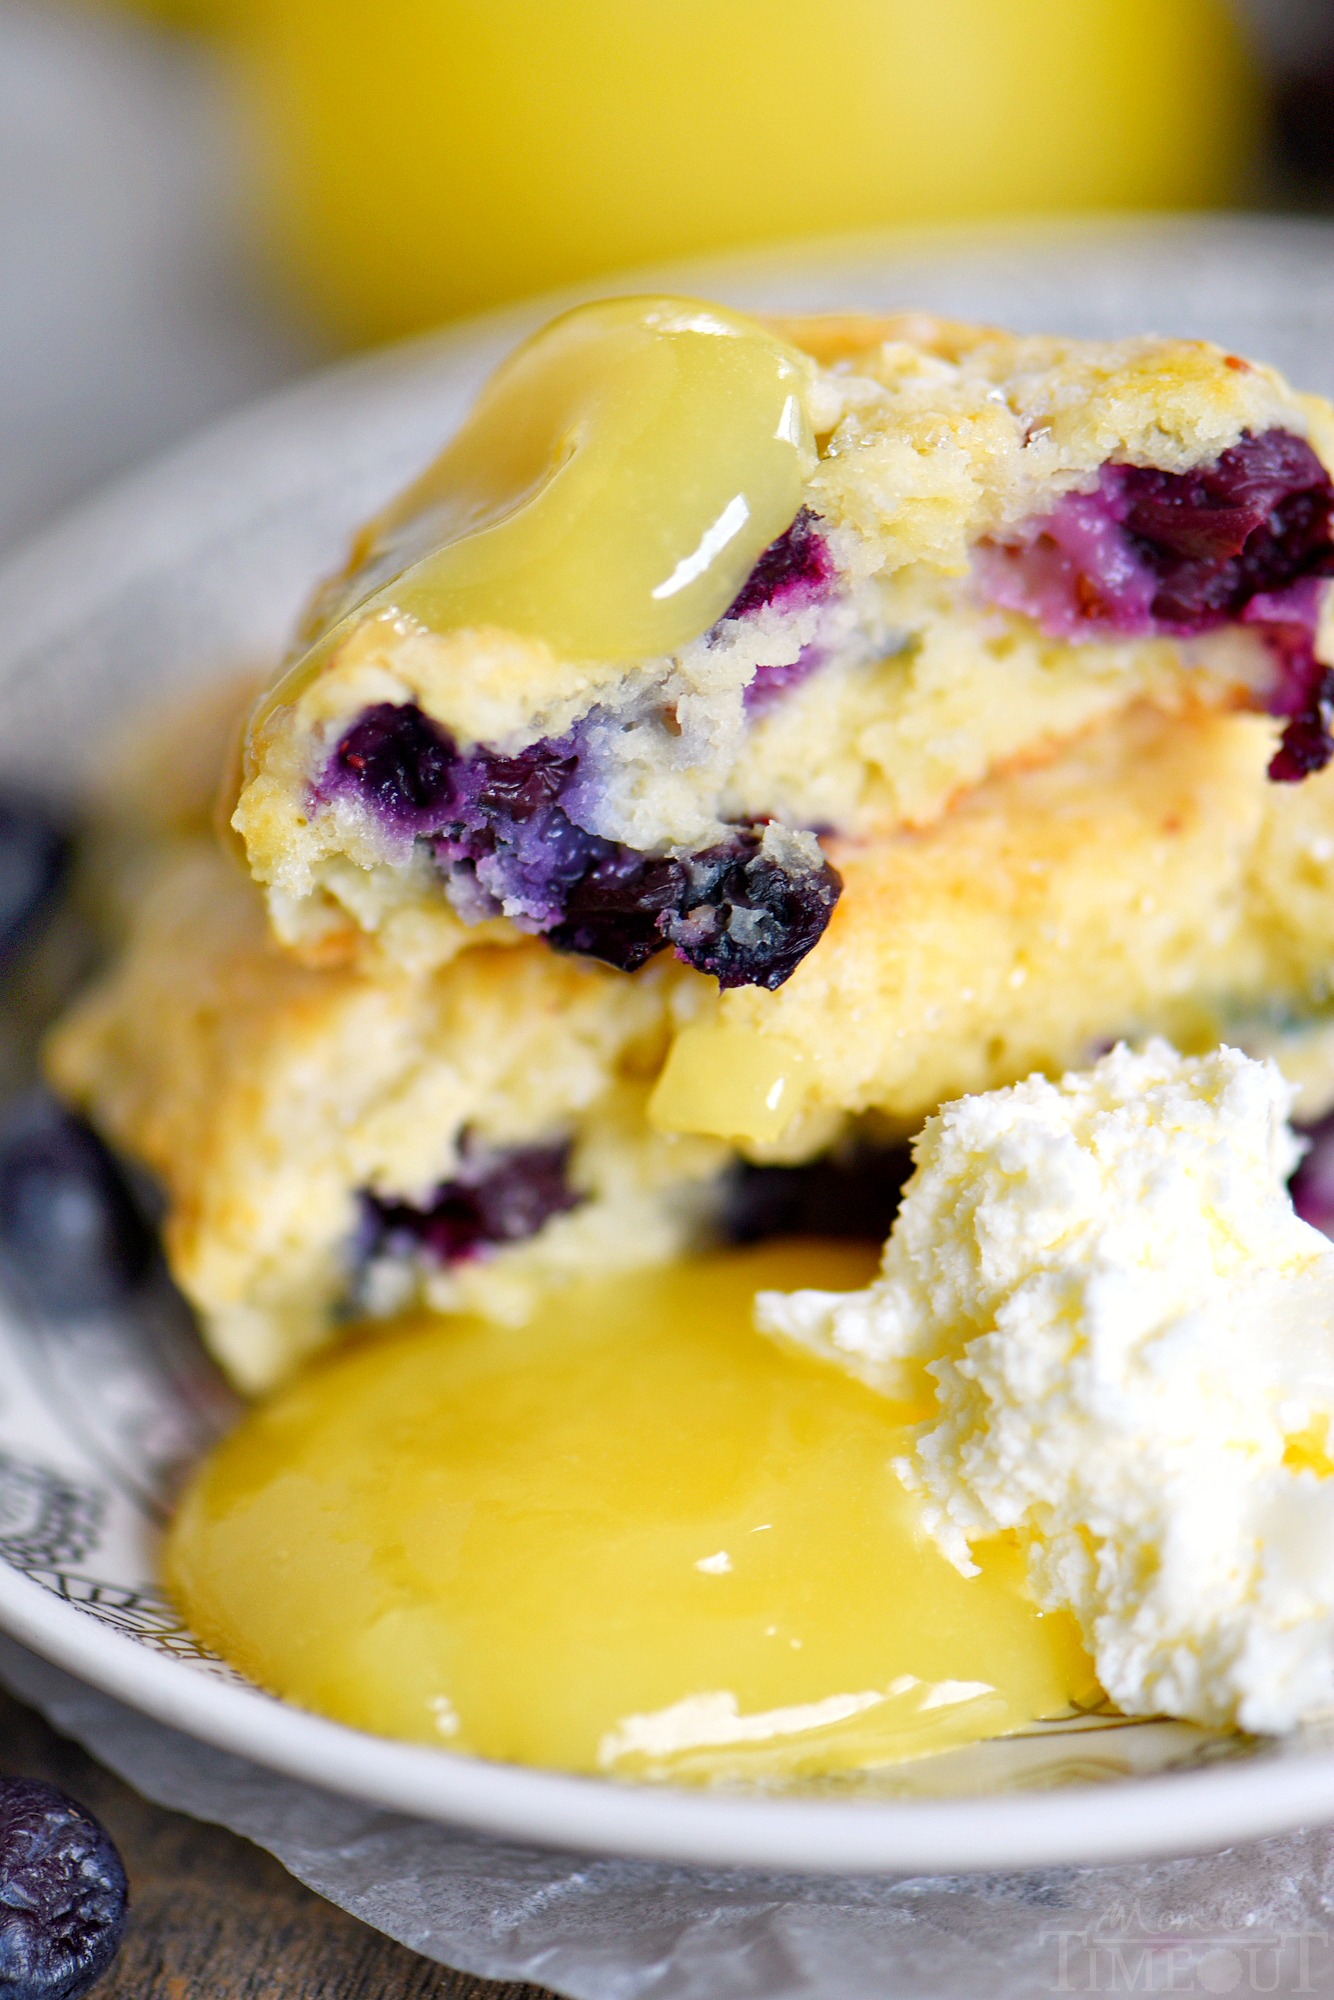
(692, 602)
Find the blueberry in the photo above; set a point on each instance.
(1312, 1186)
(1182, 552)
(69, 1225)
(501, 1196)
(1307, 742)
(519, 787)
(63, 1894)
(852, 1194)
(614, 911)
(1250, 536)
(34, 854)
(400, 763)
(1304, 693)
(744, 918)
(497, 826)
(798, 565)
(1255, 521)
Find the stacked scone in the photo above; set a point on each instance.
(742, 739)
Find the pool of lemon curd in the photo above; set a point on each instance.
(632, 1537)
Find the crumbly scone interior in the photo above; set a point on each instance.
(861, 700)
(270, 1098)
(1150, 880)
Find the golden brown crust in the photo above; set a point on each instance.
(832, 337)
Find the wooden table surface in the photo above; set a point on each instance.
(213, 1918)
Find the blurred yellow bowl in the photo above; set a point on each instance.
(420, 158)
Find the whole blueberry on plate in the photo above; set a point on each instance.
(70, 1227)
(62, 1894)
(34, 851)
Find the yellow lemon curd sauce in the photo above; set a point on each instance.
(610, 491)
(633, 1537)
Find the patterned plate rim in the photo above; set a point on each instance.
(1174, 1812)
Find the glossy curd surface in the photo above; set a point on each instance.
(632, 1537)
(731, 1082)
(610, 492)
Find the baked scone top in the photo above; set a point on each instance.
(936, 434)
(931, 436)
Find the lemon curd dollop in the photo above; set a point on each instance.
(633, 1536)
(614, 485)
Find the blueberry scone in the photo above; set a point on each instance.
(330, 1145)
(695, 614)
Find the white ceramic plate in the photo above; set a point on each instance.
(197, 567)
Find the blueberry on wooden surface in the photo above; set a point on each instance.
(34, 851)
(62, 1894)
(69, 1225)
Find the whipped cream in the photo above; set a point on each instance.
(1130, 1334)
